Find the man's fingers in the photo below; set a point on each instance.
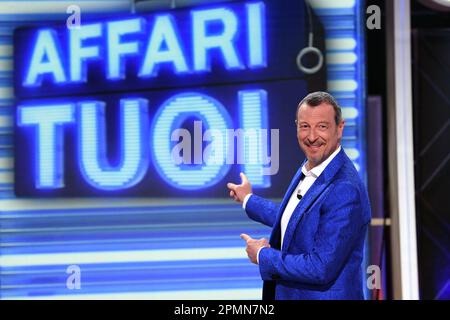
(243, 178)
(264, 242)
(246, 237)
(231, 186)
(234, 196)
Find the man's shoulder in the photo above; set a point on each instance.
(348, 181)
(347, 169)
(347, 178)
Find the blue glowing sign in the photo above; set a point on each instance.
(214, 45)
(121, 145)
(170, 103)
(200, 44)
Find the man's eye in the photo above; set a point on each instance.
(323, 127)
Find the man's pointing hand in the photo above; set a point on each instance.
(239, 191)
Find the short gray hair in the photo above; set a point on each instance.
(316, 98)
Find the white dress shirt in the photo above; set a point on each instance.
(303, 186)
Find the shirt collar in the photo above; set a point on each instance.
(317, 170)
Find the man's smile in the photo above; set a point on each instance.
(314, 146)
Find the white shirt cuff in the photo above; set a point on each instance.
(257, 254)
(244, 203)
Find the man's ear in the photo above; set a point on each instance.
(341, 128)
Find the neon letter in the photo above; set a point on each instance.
(79, 53)
(45, 47)
(223, 41)
(256, 35)
(164, 31)
(253, 114)
(133, 157)
(118, 49)
(49, 121)
(169, 117)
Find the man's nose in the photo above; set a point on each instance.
(312, 135)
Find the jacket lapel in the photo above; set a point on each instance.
(311, 195)
(275, 235)
(291, 188)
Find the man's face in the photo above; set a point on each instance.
(317, 132)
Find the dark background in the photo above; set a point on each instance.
(431, 111)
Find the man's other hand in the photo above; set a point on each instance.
(239, 191)
(253, 247)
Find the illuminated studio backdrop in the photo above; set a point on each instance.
(86, 115)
